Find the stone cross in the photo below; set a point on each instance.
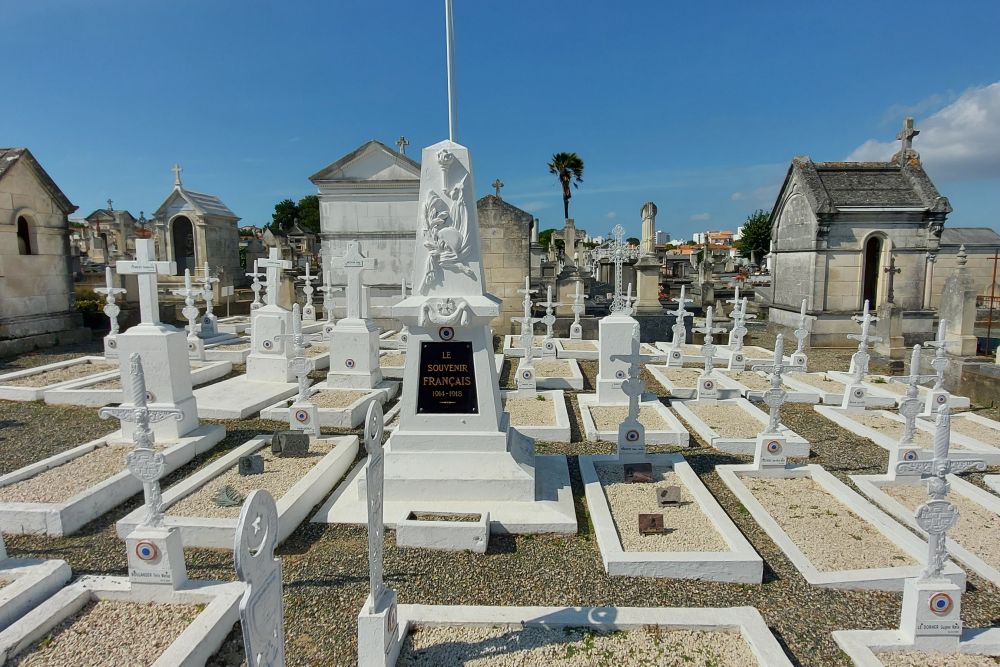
(355, 264)
(708, 348)
(618, 252)
(859, 360)
(940, 362)
(679, 330)
(262, 617)
(631, 432)
(550, 317)
(906, 136)
(739, 330)
(892, 270)
(776, 396)
(190, 311)
(578, 308)
(328, 289)
(274, 265)
(255, 286)
(527, 321)
(177, 174)
(144, 462)
(402, 143)
(374, 478)
(735, 301)
(799, 357)
(309, 312)
(497, 184)
(911, 406)
(111, 309)
(300, 364)
(146, 268)
(937, 515)
(208, 294)
(404, 332)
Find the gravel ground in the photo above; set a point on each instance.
(984, 434)
(61, 483)
(894, 429)
(688, 528)
(109, 632)
(751, 379)
(818, 380)
(65, 374)
(682, 377)
(610, 417)
(580, 345)
(280, 474)
(111, 383)
(337, 398)
(573, 647)
(326, 567)
(551, 368)
(978, 528)
(316, 350)
(392, 360)
(828, 533)
(231, 346)
(531, 411)
(935, 659)
(726, 420)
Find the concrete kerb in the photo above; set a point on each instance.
(692, 354)
(727, 388)
(195, 645)
(795, 445)
(293, 507)
(586, 355)
(237, 324)
(993, 482)
(17, 393)
(880, 389)
(346, 417)
(391, 372)
(65, 518)
(512, 347)
(29, 582)
(81, 392)
(389, 340)
(237, 356)
(741, 564)
(747, 621)
(560, 432)
(471, 535)
(871, 486)
(861, 646)
(675, 434)
(884, 579)
(990, 452)
(833, 396)
(794, 395)
(573, 383)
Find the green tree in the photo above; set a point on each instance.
(285, 212)
(308, 208)
(756, 237)
(545, 237)
(633, 241)
(568, 168)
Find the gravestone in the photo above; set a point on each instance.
(303, 415)
(328, 290)
(938, 395)
(770, 447)
(675, 356)
(616, 334)
(112, 310)
(270, 355)
(209, 321)
(196, 346)
(958, 309)
(801, 334)
(256, 287)
(290, 443)
(549, 345)
(251, 464)
(262, 617)
(354, 348)
(856, 393)
(669, 496)
(708, 386)
(526, 382)
(308, 310)
(631, 432)
(651, 524)
(909, 408)
(737, 358)
(578, 307)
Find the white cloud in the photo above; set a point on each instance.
(534, 205)
(700, 217)
(893, 114)
(959, 142)
(738, 196)
(611, 215)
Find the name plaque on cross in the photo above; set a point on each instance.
(447, 379)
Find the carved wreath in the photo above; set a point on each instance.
(445, 228)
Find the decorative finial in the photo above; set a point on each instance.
(963, 257)
(177, 174)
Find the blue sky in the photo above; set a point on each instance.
(696, 106)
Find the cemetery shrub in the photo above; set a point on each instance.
(91, 305)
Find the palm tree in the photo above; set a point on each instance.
(569, 169)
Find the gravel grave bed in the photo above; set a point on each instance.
(580, 345)
(537, 341)
(883, 384)
(726, 420)
(552, 368)
(688, 529)
(531, 411)
(980, 432)
(978, 528)
(894, 429)
(751, 379)
(111, 383)
(231, 346)
(337, 398)
(573, 647)
(830, 535)
(280, 474)
(682, 377)
(61, 483)
(610, 417)
(935, 659)
(823, 382)
(316, 350)
(392, 360)
(104, 632)
(64, 374)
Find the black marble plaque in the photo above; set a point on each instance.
(252, 464)
(447, 379)
(290, 443)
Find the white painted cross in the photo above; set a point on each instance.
(208, 320)
(911, 406)
(300, 365)
(355, 264)
(937, 396)
(255, 286)
(309, 311)
(799, 356)
(274, 265)
(111, 309)
(859, 360)
(550, 318)
(631, 432)
(527, 322)
(735, 301)
(578, 308)
(146, 268)
(739, 330)
(618, 252)
(776, 396)
(707, 388)
(190, 310)
(678, 330)
(262, 618)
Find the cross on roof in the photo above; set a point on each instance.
(402, 143)
(355, 264)
(892, 270)
(497, 184)
(146, 268)
(274, 265)
(906, 135)
(110, 207)
(177, 174)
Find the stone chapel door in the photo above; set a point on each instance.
(871, 271)
(182, 237)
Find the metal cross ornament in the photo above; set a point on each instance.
(911, 406)
(300, 364)
(256, 286)
(859, 360)
(497, 184)
(111, 309)
(776, 396)
(708, 348)
(144, 462)
(617, 252)
(190, 311)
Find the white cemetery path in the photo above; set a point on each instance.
(27, 582)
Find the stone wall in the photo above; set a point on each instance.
(505, 233)
(36, 290)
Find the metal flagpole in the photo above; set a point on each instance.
(449, 21)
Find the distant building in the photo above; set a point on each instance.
(662, 237)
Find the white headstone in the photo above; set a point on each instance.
(578, 308)
(770, 449)
(196, 346)
(262, 617)
(112, 310)
(269, 356)
(801, 334)
(146, 268)
(855, 394)
(354, 343)
(302, 413)
(308, 310)
(708, 387)
(209, 322)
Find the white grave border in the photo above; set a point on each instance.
(572, 383)
(559, 432)
(29, 582)
(348, 416)
(862, 645)
(17, 393)
(795, 445)
(954, 401)
(675, 434)
(727, 387)
(794, 395)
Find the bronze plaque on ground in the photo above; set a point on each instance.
(638, 473)
(668, 496)
(447, 379)
(650, 524)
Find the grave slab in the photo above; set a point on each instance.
(795, 444)
(102, 368)
(570, 379)
(471, 533)
(738, 563)
(673, 434)
(861, 646)
(979, 560)
(65, 518)
(557, 432)
(349, 416)
(691, 354)
(881, 578)
(195, 645)
(671, 379)
(742, 380)
(237, 324)
(28, 583)
(293, 506)
(754, 354)
(240, 397)
(94, 392)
